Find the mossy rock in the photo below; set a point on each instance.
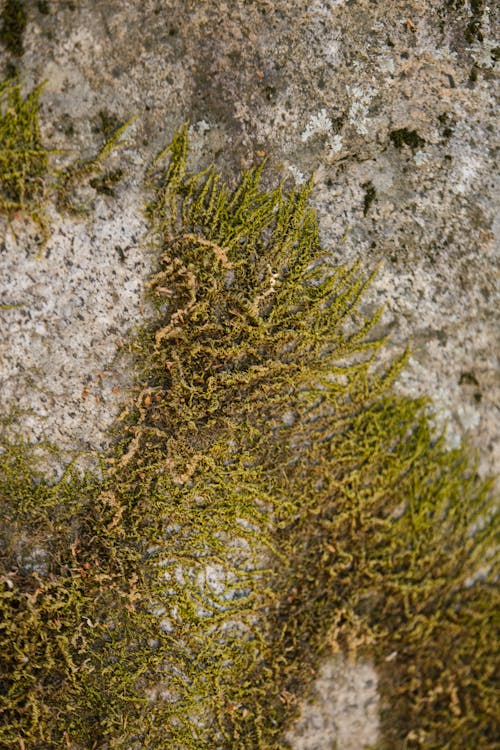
(23, 159)
(28, 178)
(268, 499)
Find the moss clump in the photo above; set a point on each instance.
(268, 499)
(27, 176)
(23, 158)
(73, 643)
(91, 171)
(13, 22)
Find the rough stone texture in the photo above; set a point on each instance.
(391, 104)
(71, 306)
(343, 708)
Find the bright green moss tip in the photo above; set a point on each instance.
(269, 499)
(23, 159)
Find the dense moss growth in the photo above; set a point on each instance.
(268, 500)
(23, 159)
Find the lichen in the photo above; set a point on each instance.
(268, 500)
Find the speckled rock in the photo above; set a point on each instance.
(391, 105)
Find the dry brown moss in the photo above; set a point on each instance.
(268, 499)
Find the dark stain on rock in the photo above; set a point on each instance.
(473, 29)
(468, 378)
(13, 25)
(469, 381)
(448, 125)
(370, 195)
(404, 137)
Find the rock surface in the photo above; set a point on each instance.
(391, 105)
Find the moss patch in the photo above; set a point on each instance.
(23, 158)
(27, 175)
(268, 500)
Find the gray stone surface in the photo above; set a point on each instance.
(391, 105)
(343, 710)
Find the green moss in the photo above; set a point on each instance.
(268, 499)
(60, 611)
(107, 182)
(90, 171)
(27, 175)
(107, 122)
(23, 159)
(13, 22)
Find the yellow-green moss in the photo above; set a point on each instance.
(23, 159)
(268, 499)
(27, 176)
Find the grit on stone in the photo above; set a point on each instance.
(391, 105)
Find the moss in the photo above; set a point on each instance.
(13, 22)
(473, 30)
(268, 499)
(107, 182)
(107, 122)
(23, 159)
(27, 175)
(90, 170)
